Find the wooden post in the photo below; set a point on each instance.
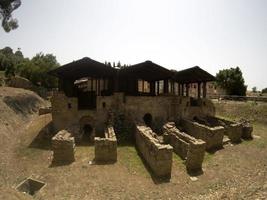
(187, 89)
(204, 89)
(198, 89)
(165, 86)
(182, 89)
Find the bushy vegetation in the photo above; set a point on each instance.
(264, 90)
(6, 9)
(232, 81)
(34, 69)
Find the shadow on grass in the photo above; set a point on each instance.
(195, 172)
(214, 150)
(60, 164)
(156, 180)
(43, 138)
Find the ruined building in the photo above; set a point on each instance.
(93, 96)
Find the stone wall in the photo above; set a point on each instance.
(213, 136)
(106, 148)
(65, 112)
(157, 156)
(63, 147)
(45, 110)
(232, 129)
(186, 146)
(247, 129)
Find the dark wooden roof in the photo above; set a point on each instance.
(83, 68)
(193, 75)
(146, 70)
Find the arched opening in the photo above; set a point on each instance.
(87, 132)
(148, 119)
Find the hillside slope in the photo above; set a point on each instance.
(17, 107)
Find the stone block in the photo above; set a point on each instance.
(157, 156)
(63, 146)
(106, 148)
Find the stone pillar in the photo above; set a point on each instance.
(198, 89)
(204, 89)
(63, 147)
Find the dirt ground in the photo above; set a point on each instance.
(234, 172)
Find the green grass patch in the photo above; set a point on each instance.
(128, 156)
(208, 157)
(177, 160)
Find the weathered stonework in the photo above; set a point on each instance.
(232, 129)
(247, 129)
(63, 146)
(45, 110)
(186, 146)
(66, 114)
(106, 148)
(213, 136)
(157, 156)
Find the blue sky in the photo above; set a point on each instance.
(213, 34)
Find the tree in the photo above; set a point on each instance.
(264, 90)
(232, 81)
(254, 89)
(36, 69)
(6, 9)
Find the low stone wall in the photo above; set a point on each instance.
(247, 129)
(213, 136)
(186, 146)
(157, 156)
(106, 148)
(45, 110)
(63, 146)
(232, 129)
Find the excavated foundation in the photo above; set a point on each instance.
(63, 146)
(106, 147)
(232, 129)
(186, 146)
(213, 136)
(157, 156)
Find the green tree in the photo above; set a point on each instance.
(36, 70)
(264, 90)
(6, 9)
(232, 81)
(254, 89)
(10, 60)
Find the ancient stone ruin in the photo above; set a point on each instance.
(213, 136)
(187, 147)
(157, 156)
(63, 147)
(93, 95)
(30, 186)
(106, 147)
